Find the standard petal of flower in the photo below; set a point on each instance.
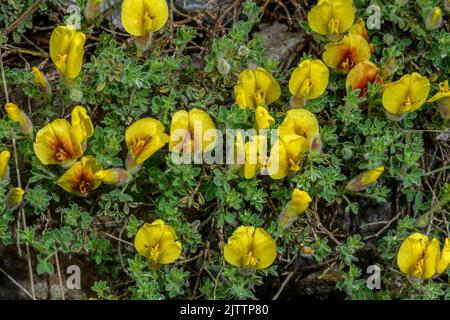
(55, 143)
(202, 129)
(133, 17)
(411, 251)
(267, 83)
(431, 259)
(319, 17)
(179, 129)
(444, 261)
(264, 248)
(60, 41)
(75, 56)
(81, 124)
(158, 11)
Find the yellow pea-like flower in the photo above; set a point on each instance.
(158, 242)
(81, 178)
(67, 50)
(308, 81)
(365, 179)
(263, 119)
(113, 176)
(192, 132)
(331, 17)
(16, 114)
(444, 261)
(299, 203)
(296, 134)
(143, 17)
(361, 75)
(299, 124)
(255, 156)
(250, 248)
(418, 257)
(5, 155)
(256, 87)
(405, 95)
(442, 98)
(56, 143)
(143, 138)
(14, 198)
(347, 53)
(82, 126)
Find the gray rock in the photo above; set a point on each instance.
(278, 41)
(194, 6)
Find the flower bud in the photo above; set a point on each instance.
(299, 203)
(434, 19)
(114, 176)
(41, 81)
(364, 180)
(223, 67)
(14, 198)
(15, 114)
(388, 39)
(5, 155)
(243, 51)
(315, 145)
(76, 94)
(347, 153)
(92, 9)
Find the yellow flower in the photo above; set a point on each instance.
(361, 75)
(255, 156)
(365, 179)
(158, 242)
(250, 248)
(56, 143)
(263, 119)
(14, 198)
(296, 134)
(143, 139)
(418, 257)
(308, 81)
(192, 132)
(81, 177)
(444, 261)
(113, 176)
(256, 87)
(347, 53)
(405, 95)
(81, 124)
(5, 155)
(299, 124)
(434, 19)
(66, 50)
(15, 114)
(331, 17)
(143, 17)
(299, 203)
